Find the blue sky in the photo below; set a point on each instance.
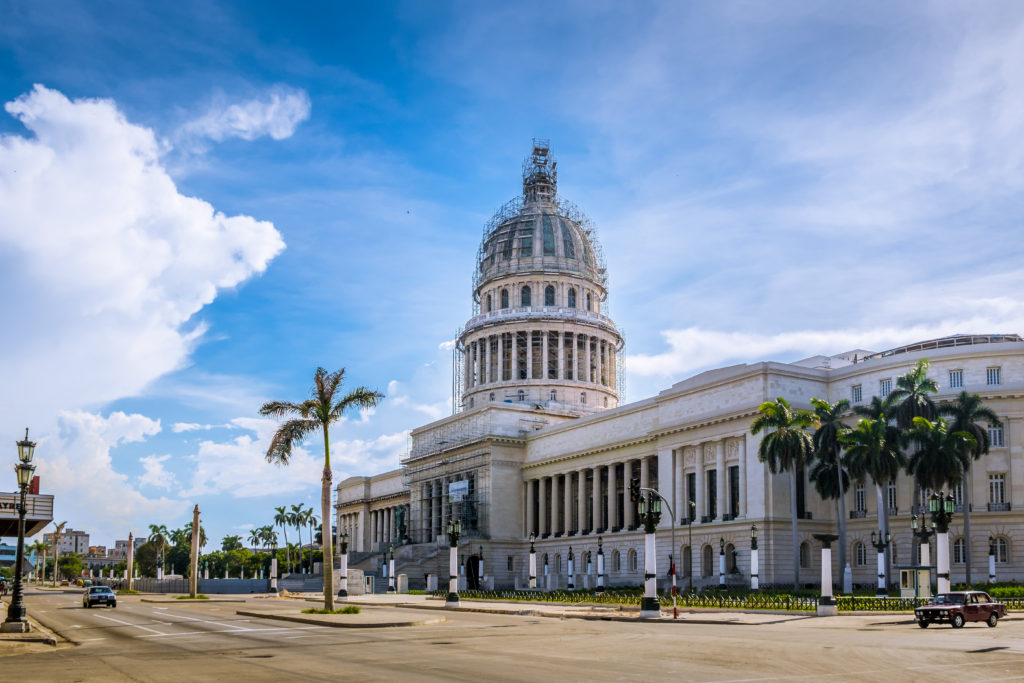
(201, 202)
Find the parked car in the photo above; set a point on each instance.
(959, 607)
(98, 595)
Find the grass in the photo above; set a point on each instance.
(199, 596)
(350, 609)
(127, 591)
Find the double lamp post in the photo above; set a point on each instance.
(16, 621)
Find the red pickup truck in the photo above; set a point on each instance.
(959, 607)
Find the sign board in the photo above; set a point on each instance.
(457, 490)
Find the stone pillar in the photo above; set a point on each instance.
(514, 357)
(595, 500)
(501, 357)
(545, 351)
(530, 522)
(627, 505)
(388, 518)
(488, 376)
(613, 508)
(586, 372)
(942, 561)
(542, 507)
(556, 527)
(599, 361)
(666, 486)
(567, 503)
(698, 465)
(529, 354)
(645, 472)
(677, 470)
(723, 496)
(561, 355)
(581, 503)
(741, 451)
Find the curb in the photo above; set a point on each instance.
(189, 602)
(337, 624)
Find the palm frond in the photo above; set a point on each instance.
(360, 397)
(287, 435)
(280, 409)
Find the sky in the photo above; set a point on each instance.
(202, 202)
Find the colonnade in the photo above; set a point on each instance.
(520, 354)
(384, 525)
(435, 505)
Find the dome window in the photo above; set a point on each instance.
(549, 295)
(590, 303)
(522, 395)
(554, 395)
(526, 244)
(490, 397)
(572, 298)
(567, 243)
(583, 398)
(549, 237)
(504, 299)
(470, 401)
(524, 297)
(506, 246)
(489, 306)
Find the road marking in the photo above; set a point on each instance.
(75, 626)
(127, 623)
(90, 640)
(248, 630)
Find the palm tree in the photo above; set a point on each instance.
(56, 547)
(281, 519)
(255, 537)
(231, 543)
(786, 447)
(188, 535)
(39, 548)
(317, 412)
(296, 520)
(968, 412)
(158, 535)
(939, 458)
(873, 448)
(911, 397)
(829, 474)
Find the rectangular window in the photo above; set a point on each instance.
(958, 551)
(734, 491)
(549, 237)
(712, 476)
(958, 494)
(956, 379)
(995, 437)
(856, 394)
(992, 376)
(997, 488)
(884, 387)
(567, 243)
(691, 496)
(526, 245)
(859, 499)
(925, 496)
(890, 495)
(510, 563)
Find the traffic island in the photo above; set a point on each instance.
(365, 619)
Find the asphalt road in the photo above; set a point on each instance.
(144, 641)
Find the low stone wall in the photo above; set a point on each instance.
(208, 586)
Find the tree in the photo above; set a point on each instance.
(912, 396)
(967, 413)
(786, 447)
(295, 517)
(874, 449)
(829, 474)
(39, 549)
(70, 566)
(231, 543)
(255, 537)
(56, 547)
(939, 458)
(281, 519)
(317, 413)
(158, 536)
(188, 536)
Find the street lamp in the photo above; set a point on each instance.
(16, 622)
(941, 507)
(600, 565)
(571, 584)
(754, 579)
(391, 569)
(533, 562)
(880, 542)
(480, 570)
(454, 531)
(689, 528)
(649, 507)
(343, 565)
(991, 559)
(922, 532)
(721, 563)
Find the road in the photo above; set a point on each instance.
(145, 641)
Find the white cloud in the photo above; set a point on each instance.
(277, 115)
(103, 262)
(76, 466)
(155, 474)
(179, 427)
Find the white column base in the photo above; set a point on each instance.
(828, 610)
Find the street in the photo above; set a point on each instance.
(160, 642)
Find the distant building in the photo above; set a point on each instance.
(97, 551)
(71, 541)
(9, 555)
(120, 550)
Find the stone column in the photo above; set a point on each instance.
(529, 354)
(680, 503)
(581, 504)
(487, 360)
(627, 505)
(542, 511)
(435, 508)
(544, 354)
(501, 357)
(530, 522)
(561, 355)
(567, 503)
(595, 500)
(666, 486)
(586, 373)
(600, 360)
(701, 485)
(556, 491)
(613, 508)
(645, 472)
(723, 497)
(741, 452)
(514, 357)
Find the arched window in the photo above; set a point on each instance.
(558, 564)
(470, 401)
(616, 561)
(894, 553)
(583, 398)
(605, 401)
(524, 297)
(587, 562)
(730, 559)
(544, 564)
(549, 295)
(707, 568)
(634, 565)
(504, 298)
(860, 556)
(490, 397)
(522, 395)
(1002, 550)
(958, 551)
(554, 395)
(572, 297)
(686, 560)
(489, 307)
(590, 303)
(805, 555)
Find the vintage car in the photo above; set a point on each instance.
(959, 607)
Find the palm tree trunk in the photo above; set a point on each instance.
(287, 549)
(883, 524)
(967, 526)
(298, 530)
(796, 528)
(842, 521)
(325, 520)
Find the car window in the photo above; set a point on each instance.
(984, 597)
(99, 589)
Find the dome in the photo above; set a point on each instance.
(539, 232)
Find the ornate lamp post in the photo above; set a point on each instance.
(923, 533)
(880, 542)
(480, 570)
(533, 563)
(391, 569)
(343, 565)
(826, 603)
(941, 508)
(753, 558)
(454, 531)
(721, 563)
(991, 559)
(571, 585)
(689, 528)
(649, 507)
(16, 622)
(600, 565)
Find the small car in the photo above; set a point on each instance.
(98, 595)
(959, 607)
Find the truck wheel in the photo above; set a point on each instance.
(958, 620)
(993, 619)
(923, 623)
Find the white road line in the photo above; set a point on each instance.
(90, 640)
(126, 623)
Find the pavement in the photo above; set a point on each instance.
(193, 641)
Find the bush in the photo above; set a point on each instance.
(199, 596)
(127, 591)
(350, 609)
